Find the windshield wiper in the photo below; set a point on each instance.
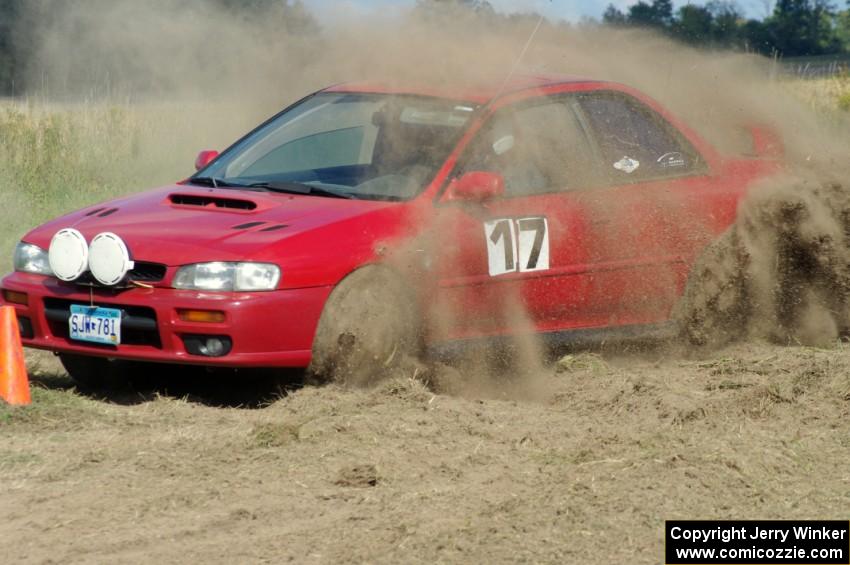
(277, 186)
(211, 181)
(299, 188)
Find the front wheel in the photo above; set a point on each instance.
(102, 373)
(369, 326)
(90, 372)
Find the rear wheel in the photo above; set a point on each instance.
(714, 308)
(369, 326)
(781, 271)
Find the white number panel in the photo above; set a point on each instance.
(533, 244)
(501, 246)
(517, 245)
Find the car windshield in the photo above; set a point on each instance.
(368, 146)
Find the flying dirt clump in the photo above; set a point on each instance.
(781, 271)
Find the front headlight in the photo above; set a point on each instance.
(31, 258)
(227, 276)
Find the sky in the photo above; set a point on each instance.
(570, 10)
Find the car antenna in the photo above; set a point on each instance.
(521, 56)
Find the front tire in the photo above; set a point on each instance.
(369, 326)
(90, 372)
(95, 373)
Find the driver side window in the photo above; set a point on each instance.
(538, 147)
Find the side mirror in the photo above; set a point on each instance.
(475, 186)
(204, 158)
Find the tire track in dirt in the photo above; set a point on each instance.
(588, 472)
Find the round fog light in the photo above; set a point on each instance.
(212, 347)
(208, 345)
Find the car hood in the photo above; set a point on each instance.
(179, 224)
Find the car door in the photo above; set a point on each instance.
(520, 263)
(657, 207)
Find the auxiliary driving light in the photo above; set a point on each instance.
(68, 254)
(109, 259)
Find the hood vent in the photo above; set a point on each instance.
(267, 226)
(95, 211)
(248, 225)
(211, 202)
(107, 212)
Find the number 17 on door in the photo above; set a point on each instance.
(517, 245)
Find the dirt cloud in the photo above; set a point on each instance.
(189, 51)
(781, 272)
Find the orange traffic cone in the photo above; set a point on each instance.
(14, 387)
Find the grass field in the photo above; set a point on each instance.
(825, 95)
(580, 462)
(58, 158)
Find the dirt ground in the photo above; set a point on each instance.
(584, 468)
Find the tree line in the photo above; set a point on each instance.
(793, 28)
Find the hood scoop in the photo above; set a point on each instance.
(211, 202)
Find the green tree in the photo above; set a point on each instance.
(842, 27)
(803, 27)
(10, 56)
(614, 16)
(694, 24)
(727, 22)
(757, 36)
(658, 14)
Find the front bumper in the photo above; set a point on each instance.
(267, 329)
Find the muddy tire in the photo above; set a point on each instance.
(781, 272)
(714, 307)
(91, 372)
(369, 327)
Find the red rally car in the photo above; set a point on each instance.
(376, 218)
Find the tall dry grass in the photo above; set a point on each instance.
(824, 95)
(58, 158)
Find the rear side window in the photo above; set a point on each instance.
(538, 147)
(633, 141)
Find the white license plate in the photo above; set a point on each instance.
(95, 324)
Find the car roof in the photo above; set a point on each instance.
(479, 94)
